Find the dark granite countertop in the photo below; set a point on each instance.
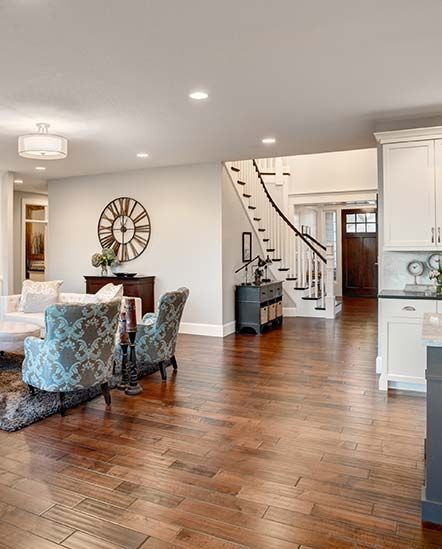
(401, 294)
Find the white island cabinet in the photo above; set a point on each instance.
(403, 354)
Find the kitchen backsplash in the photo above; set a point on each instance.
(394, 270)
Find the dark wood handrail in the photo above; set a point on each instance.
(284, 218)
(315, 241)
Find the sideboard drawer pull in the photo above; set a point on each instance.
(408, 308)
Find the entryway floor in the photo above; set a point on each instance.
(275, 441)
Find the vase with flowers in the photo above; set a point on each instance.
(104, 260)
(436, 274)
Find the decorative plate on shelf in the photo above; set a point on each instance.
(434, 261)
(416, 268)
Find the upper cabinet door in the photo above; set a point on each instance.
(438, 153)
(409, 196)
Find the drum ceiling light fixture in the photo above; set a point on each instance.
(42, 145)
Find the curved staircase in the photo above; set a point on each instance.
(302, 263)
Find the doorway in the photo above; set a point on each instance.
(359, 252)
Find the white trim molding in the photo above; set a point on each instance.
(413, 134)
(210, 330)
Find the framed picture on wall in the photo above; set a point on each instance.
(246, 247)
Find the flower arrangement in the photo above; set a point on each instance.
(436, 274)
(103, 259)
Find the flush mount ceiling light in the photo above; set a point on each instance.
(42, 145)
(199, 95)
(18, 181)
(142, 155)
(40, 168)
(268, 140)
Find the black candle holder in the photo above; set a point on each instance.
(133, 388)
(123, 341)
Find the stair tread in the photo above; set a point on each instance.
(261, 231)
(291, 278)
(320, 308)
(241, 182)
(270, 249)
(264, 239)
(300, 287)
(283, 269)
(307, 298)
(252, 207)
(276, 259)
(245, 195)
(257, 219)
(234, 169)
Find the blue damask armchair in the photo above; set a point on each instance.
(157, 335)
(77, 352)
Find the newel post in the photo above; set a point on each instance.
(329, 283)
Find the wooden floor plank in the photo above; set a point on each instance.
(273, 442)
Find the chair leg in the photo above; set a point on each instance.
(31, 390)
(163, 370)
(106, 393)
(174, 363)
(62, 408)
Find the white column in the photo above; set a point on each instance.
(6, 235)
(329, 284)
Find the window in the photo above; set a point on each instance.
(360, 222)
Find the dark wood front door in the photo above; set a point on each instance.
(359, 252)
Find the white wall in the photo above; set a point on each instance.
(184, 204)
(18, 235)
(334, 172)
(234, 222)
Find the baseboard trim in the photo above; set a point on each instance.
(210, 330)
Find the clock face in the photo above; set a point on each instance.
(434, 261)
(124, 226)
(416, 268)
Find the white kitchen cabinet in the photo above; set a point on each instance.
(403, 355)
(409, 195)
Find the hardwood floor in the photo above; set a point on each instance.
(273, 442)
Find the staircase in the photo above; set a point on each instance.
(303, 264)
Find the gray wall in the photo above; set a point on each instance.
(184, 204)
(235, 221)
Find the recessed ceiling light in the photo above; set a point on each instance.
(268, 140)
(40, 168)
(18, 181)
(142, 155)
(199, 95)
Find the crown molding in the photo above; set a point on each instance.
(413, 134)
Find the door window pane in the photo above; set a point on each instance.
(360, 218)
(360, 228)
(371, 218)
(35, 212)
(351, 218)
(371, 227)
(351, 227)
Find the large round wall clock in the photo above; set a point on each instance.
(124, 226)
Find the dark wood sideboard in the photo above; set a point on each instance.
(258, 307)
(138, 286)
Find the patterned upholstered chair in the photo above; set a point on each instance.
(157, 334)
(77, 352)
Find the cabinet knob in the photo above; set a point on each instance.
(408, 308)
(432, 235)
(438, 235)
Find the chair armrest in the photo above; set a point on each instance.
(9, 304)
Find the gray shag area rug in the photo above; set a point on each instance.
(18, 408)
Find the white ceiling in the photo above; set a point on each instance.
(113, 76)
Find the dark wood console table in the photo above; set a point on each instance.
(138, 286)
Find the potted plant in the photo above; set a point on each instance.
(436, 274)
(103, 260)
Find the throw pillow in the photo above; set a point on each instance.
(37, 296)
(109, 292)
